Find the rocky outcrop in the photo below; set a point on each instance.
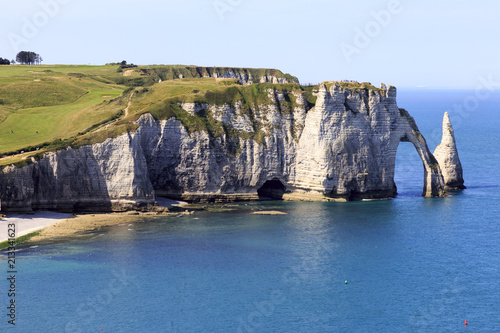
(110, 176)
(242, 77)
(342, 148)
(248, 78)
(273, 79)
(349, 143)
(447, 155)
(245, 76)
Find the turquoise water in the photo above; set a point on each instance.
(411, 264)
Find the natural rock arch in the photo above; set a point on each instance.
(433, 178)
(349, 143)
(409, 170)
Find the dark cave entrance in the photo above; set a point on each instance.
(272, 189)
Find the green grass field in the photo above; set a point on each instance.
(175, 88)
(40, 104)
(52, 106)
(55, 101)
(53, 122)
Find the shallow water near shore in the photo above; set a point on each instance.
(409, 264)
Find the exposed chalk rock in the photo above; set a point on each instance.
(193, 108)
(446, 154)
(110, 176)
(349, 143)
(342, 148)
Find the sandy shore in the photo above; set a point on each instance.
(54, 225)
(26, 224)
(81, 223)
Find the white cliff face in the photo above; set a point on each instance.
(232, 115)
(193, 108)
(447, 155)
(197, 164)
(349, 143)
(246, 78)
(108, 176)
(243, 78)
(344, 147)
(272, 79)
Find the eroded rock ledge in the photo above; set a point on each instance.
(343, 148)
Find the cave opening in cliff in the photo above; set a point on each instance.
(409, 171)
(272, 189)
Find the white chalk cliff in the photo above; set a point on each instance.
(349, 143)
(446, 154)
(342, 147)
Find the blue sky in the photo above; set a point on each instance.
(403, 43)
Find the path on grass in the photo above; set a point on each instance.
(125, 115)
(129, 103)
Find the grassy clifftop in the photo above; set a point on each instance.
(175, 71)
(44, 108)
(45, 103)
(354, 86)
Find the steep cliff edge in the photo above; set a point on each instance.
(446, 154)
(110, 176)
(348, 147)
(234, 144)
(244, 76)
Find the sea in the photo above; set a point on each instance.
(410, 264)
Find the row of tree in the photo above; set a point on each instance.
(24, 58)
(29, 58)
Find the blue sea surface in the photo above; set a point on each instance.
(410, 264)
